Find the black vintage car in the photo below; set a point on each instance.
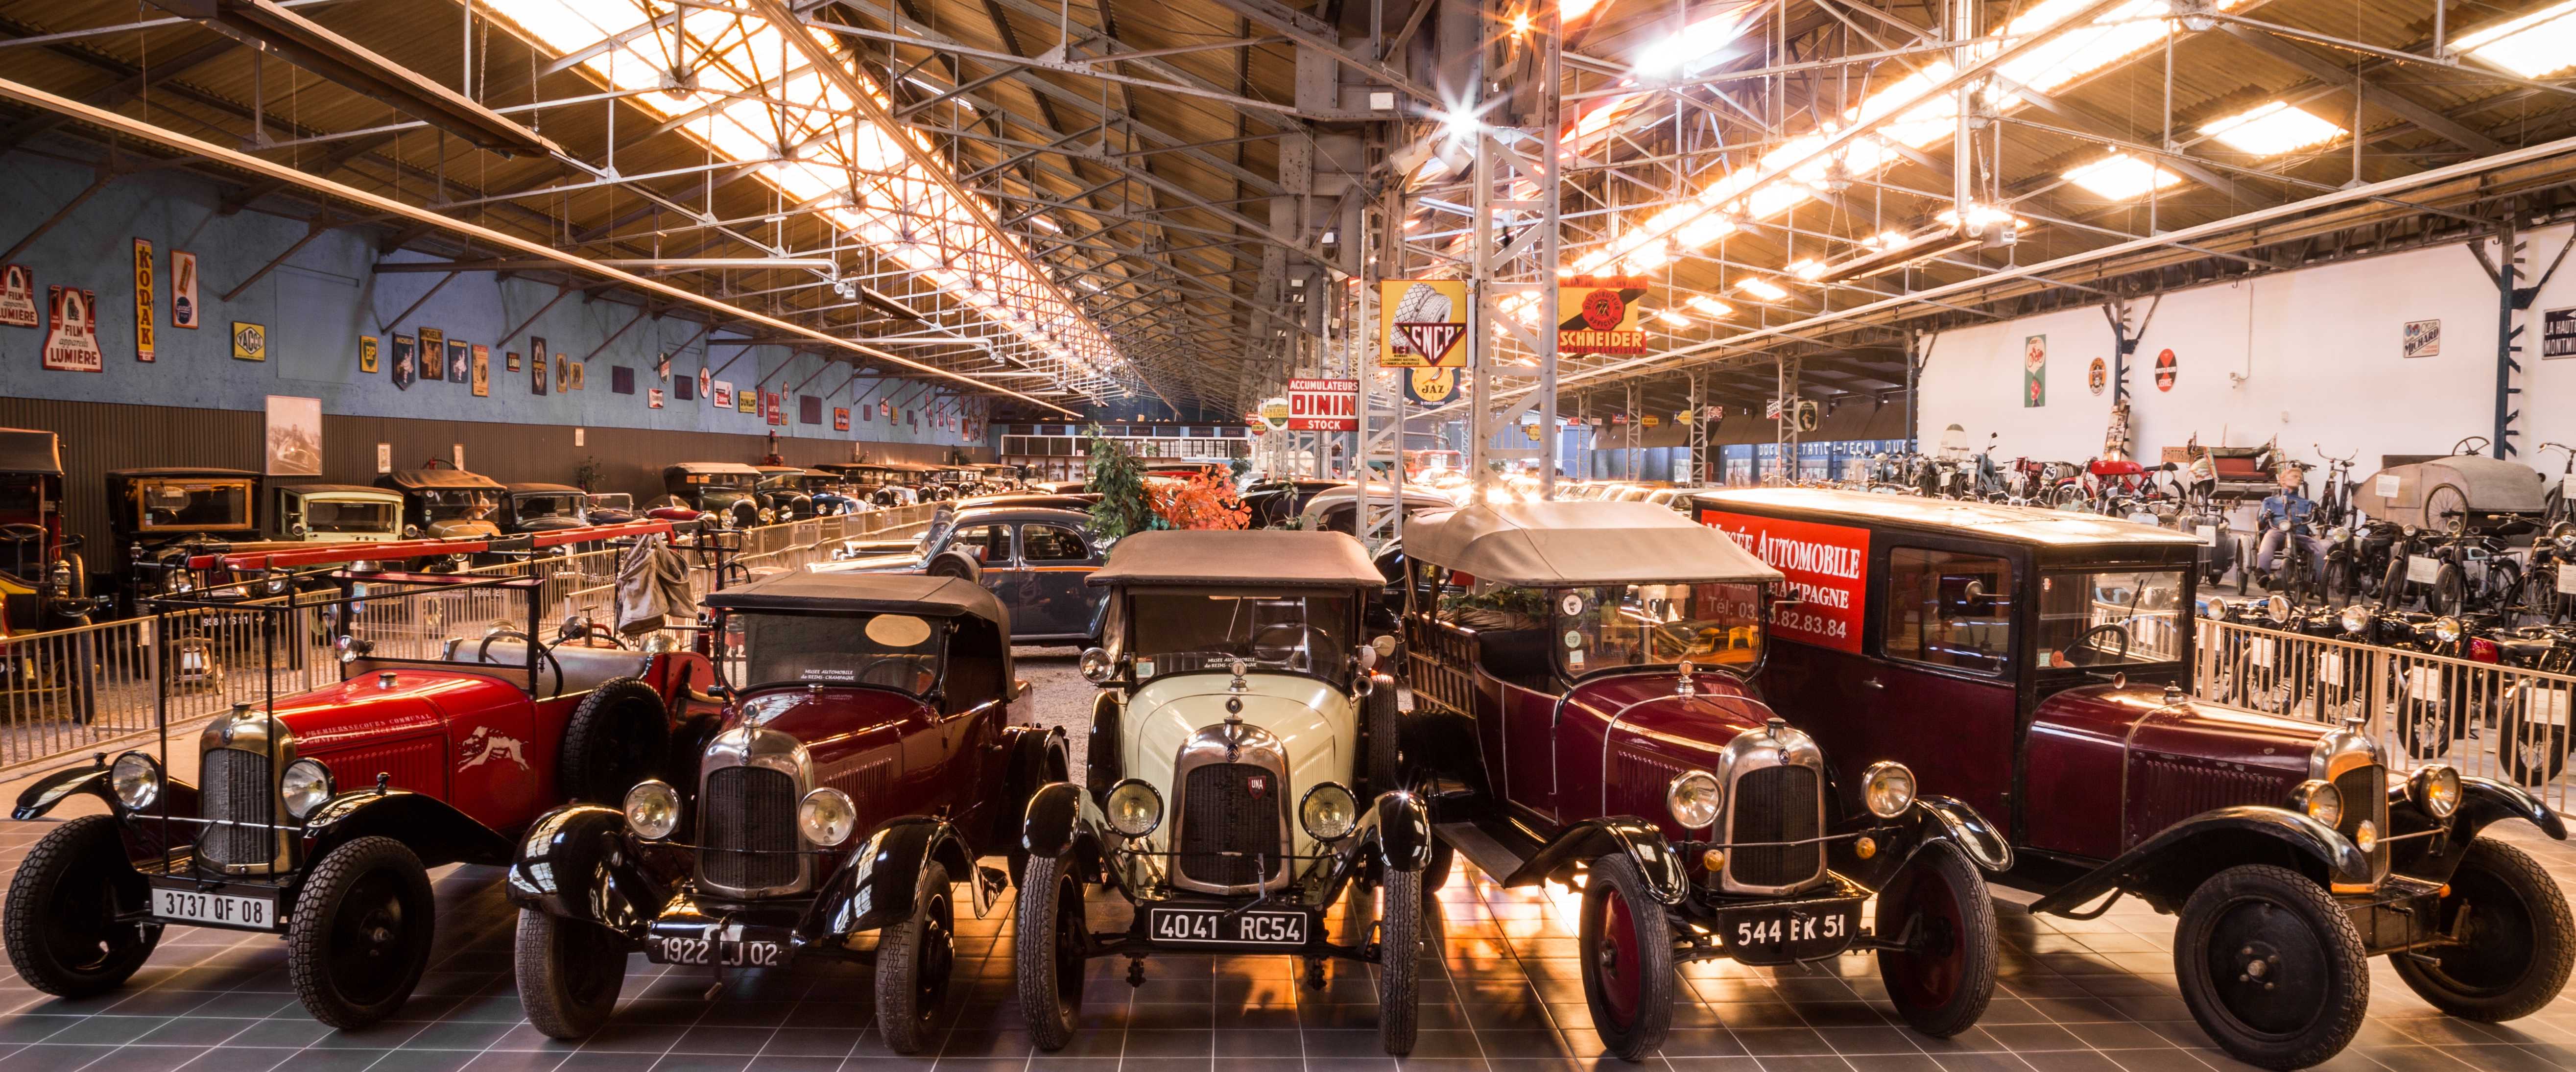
(42, 578)
(729, 490)
(443, 502)
(787, 491)
(1034, 560)
(866, 761)
(152, 514)
(543, 508)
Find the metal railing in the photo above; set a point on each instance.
(91, 687)
(2483, 718)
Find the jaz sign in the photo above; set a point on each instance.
(1323, 405)
(1824, 565)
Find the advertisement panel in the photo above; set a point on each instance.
(1824, 564)
(1598, 315)
(71, 334)
(1274, 413)
(1323, 405)
(143, 350)
(1424, 320)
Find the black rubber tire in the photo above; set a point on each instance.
(1399, 1004)
(2504, 584)
(2301, 936)
(1943, 984)
(2531, 752)
(1385, 739)
(2392, 588)
(1436, 873)
(2424, 727)
(915, 958)
(620, 735)
(2450, 591)
(2521, 939)
(59, 917)
(1047, 951)
(570, 972)
(1637, 969)
(354, 970)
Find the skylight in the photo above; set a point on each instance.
(846, 170)
(2272, 129)
(2540, 43)
(2121, 177)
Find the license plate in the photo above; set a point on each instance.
(712, 947)
(2422, 570)
(246, 911)
(2330, 667)
(1284, 929)
(1785, 934)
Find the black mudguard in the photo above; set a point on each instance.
(570, 865)
(1895, 841)
(877, 885)
(1054, 824)
(2483, 803)
(1398, 824)
(1032, 756)
(433, 829)
(54, 788)
(2167, 867)
(1594, 838)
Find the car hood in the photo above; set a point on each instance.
(2149, 722)
(450, 530)
(833, 722)
(549, 524)
(1315, 723)
(1657, 722)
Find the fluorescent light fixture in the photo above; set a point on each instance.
(1673, 319)
(1763, 289)
(1980, 217)
(2121, 177)
(1696, 47)
(1710, 306)
(1570, 10)
(2272, 129)
(1807, 268)
(1648, 258)
(2540, 43)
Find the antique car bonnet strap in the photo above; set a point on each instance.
(334, 554)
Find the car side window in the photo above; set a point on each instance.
(1947, 608)
(1051, 543)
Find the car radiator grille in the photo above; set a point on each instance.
(747, 829)
(1775, 804)
(2365, 797)
(1222, 813)
(237, 789)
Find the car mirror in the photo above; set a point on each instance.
(1365, 658)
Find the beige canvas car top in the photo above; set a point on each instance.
(1581, 542)
(1999, 521)
(1277, 558)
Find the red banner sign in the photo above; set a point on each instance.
(1323, 405)
(1824, 564)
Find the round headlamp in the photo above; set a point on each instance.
(1134, 809)
(2355, 618)
(136, 778)
(1329, 811)
(276, 582)
(767, 516)
(2277, 608)
(827, 817)
(2435, 787)
(2407, 531)
(1693, 797)
(2215, 608)
(2318, 800)
(652, 809)
(1888, 788)
(2446, 629)
(304, 786)
(2365, 836)
(1096, 666)
(2338, 534)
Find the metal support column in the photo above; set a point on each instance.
(1785, 429)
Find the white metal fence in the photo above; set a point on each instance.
(2484, 718)
(92, 687)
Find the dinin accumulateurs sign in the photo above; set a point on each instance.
(1323, 405)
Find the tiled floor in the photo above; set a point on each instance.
(1506, 997)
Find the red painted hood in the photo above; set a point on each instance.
(362, 708)
(2196, 729)
(1689, 727)
(833, 722)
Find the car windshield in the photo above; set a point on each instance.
(2112, 617)
(612, 501)
(724, 481)
(194, 504)
(782, 482)
(325, 515)
(894, 651)
(458, 504)
(1656, 625)
(1300, 633)
(532, 507)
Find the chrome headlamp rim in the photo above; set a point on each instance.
(2214, 608)
(1325, 794)
(1126, 789)
(137, 785)
(652, 809)
(2353, 617)
(2435, 787)
(2318, 799)
(1694, 798)
(1888, 773)
(305, 785)
(2446, 629)
(826, 817)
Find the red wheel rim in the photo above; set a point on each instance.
(1621, 980)
(1927, 973)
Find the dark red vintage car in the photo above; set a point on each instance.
(2033, 662)
(318, 815)
(1586, 712)
(865, 763)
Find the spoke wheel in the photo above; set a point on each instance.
(2271, 967)
(60, 918)
(1944, 977)
(360, 935)
(1626, 949)
(2516, 940)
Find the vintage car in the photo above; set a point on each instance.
(1337, 509)
(883, 484)
(787, 491)
(2033, 662)
(728, 490)
(316, 817)
(542, 508)
(1586, 711)
(153, 514)
(609, 507)
(866, 762)
(2462, 492)
(44, 584)
(1275, 502)
(335, 513)
(443, 502)
(1034, 560)
(1238, 690)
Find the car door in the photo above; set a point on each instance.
(1940, 690)
(1057, 561)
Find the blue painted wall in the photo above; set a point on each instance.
(317, 304)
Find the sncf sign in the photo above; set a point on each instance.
(1323, 405)
(1824, 565)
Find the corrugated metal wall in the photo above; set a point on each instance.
(97, 437)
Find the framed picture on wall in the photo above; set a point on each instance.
(2423, 338)
(459, 356)
(367, 354)
(563, 373)
(294, 444)
(576, 374)
(433, 354)
(512, 359)
(405, 368)
(537, 371)
(621, 380)
(482, 370)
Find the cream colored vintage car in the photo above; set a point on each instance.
(1241, 727)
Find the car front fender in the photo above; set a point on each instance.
(1033, 756)
(1927, 820)
(877, 886)
(1054, 824)
(2165, 868)
(1947, 819)
(1399, 826)
(573, 863)
(1593, 838)
(54, 788)
(2484, 801)
(432, 828)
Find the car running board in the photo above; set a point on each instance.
(1485, 851)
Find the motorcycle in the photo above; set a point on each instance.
(2251, 664)
(2532, 746)
(2549, 586)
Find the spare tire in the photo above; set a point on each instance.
(617, 737)
(955, 565)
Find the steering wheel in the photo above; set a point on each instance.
(921, 677)
(2463, 447)
(2083, 642)
(483, 651)
(1304, 644)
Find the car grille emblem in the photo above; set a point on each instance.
(1258, 786)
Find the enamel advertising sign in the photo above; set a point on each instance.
(142, 300)
(1598, 315)
(183, 289)
(1324, 405)
(71, 337)
(1824, 564)
(18, 297)
(1425, 320)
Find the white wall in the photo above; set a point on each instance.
(2315, 353)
